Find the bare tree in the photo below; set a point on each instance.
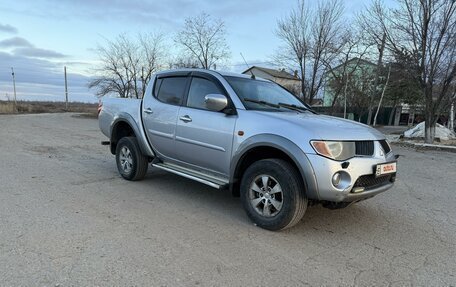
(358, 89)
(203, 38)
(153, 54)
(127, 65)
(346, 67)
(179, 61)
(423, 34)
(375, 38)
(350, 84)
(312, 39)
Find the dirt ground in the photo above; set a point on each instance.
(68, 219)
(36, 107)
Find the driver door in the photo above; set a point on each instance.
(204, 138)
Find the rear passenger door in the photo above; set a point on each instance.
(160, 111)
(204, 138)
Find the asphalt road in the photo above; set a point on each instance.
(68, 219)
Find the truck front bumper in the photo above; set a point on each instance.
(358, 180)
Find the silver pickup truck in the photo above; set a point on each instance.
(250, 136)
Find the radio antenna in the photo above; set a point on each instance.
(248, 67)
(244, 61)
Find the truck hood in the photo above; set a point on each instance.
(327, 127)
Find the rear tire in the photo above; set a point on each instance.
(273, 194)
(131, 163)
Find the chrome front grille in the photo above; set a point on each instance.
(364, 148)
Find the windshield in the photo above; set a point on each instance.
(263, 95)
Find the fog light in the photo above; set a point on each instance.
(336, 179)
(357, 189)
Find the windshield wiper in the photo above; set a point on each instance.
(292, 107)
(280, 105)
(262, 103)
(296, 108)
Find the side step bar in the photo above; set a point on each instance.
(213, 181)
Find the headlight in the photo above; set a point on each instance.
(334, 150)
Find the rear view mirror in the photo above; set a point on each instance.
(215, 102)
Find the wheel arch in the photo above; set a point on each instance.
(272, 146)
(120, 129)
(124, 126)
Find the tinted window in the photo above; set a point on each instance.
(172, 90)
(251, 91)
(199, 88)
(157, 86)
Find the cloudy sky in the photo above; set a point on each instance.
(39, 37)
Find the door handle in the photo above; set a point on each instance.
(186, 118)
(148, 111)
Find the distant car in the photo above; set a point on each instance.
(250, 136)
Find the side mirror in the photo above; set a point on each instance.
(215, 102)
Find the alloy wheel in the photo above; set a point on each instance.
(266, 196)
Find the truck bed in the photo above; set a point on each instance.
(113, 108)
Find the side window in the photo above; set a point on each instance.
(172, 90)
(199, 88)
(157, 86)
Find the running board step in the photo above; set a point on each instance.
(198, 176)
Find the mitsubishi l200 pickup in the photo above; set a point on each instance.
(250, 136)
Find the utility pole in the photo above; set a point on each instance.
(381, 49)
(452, 117)
(345, 97)
(66, 89)
(14, 87)
(381, 97)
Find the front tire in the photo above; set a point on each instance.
(273, 195)
(131, 163)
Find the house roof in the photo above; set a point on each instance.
(275, 73)
(361, 62)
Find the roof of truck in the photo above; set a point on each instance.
(213, 72)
